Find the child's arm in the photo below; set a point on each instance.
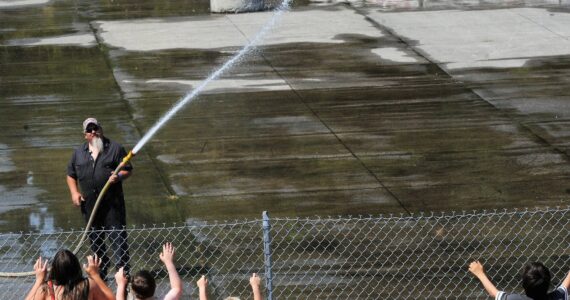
(477, 269)
(202, 284)
(167, 257)
(122, 281)
(255, 283)
(566, 281)
(40, 270)
(97, 286)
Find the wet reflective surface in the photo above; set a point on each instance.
(395, 111)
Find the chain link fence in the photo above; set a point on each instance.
(395, 257)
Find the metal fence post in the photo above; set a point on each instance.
(267, 255)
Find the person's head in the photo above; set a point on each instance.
(143, 284)
(231, 298)
(91, 125)
(65, 268)
(66, 271)
(93, 133)
(536, 280)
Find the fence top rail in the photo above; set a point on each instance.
(434, 215)
(421, 216)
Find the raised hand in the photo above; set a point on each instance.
(202, 283)
(476, 268)
(120, 277)
(167, 254)
(40, 268)
(92, 266)
(255, 280)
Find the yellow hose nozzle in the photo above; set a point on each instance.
(128, 157)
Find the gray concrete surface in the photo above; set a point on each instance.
(345, 108)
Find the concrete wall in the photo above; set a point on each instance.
(223, 6)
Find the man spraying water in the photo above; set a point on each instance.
(91, 166)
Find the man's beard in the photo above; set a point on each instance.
(97, 144)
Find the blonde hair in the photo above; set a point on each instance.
(231, 298)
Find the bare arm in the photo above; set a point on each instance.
(123, 174)
(121, 284)
(167, 257)
(76, 196)
(566, 281)
(40, 268)
(97, 286)
(255, 283)
(202, 285)
(477, 269)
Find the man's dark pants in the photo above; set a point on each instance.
(112, 224)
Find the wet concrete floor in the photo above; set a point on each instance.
(345, 108)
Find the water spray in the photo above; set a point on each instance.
(192, 95)
(160, 123)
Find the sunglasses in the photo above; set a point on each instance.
(91, 128)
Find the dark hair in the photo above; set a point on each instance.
(536, 280)
(143, 284)
(66, 271)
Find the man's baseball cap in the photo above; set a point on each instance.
(89, 121)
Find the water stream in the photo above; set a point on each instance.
(283, 7)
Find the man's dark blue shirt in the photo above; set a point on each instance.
(92, 175)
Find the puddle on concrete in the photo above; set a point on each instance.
(42, 221)
(50, 90)
(13, 199)
(533, 95)
(6, 164)
(49, 20)
(472, 166)
(291, 125)
(82, 40)
(362, 201)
